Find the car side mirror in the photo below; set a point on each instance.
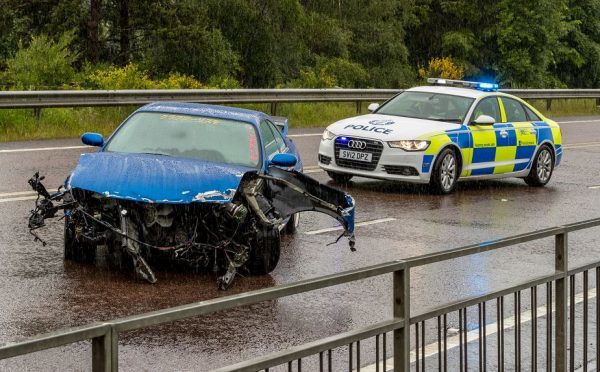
(373, 107)
(92, 139)
(284, 160)
(484, 120)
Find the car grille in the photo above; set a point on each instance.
(373, 147)
(324, 159)
(401, 170)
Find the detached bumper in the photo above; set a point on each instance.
(393, 164)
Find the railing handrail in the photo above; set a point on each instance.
(89, 98)
(110, 329)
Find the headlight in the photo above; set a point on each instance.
(327, 135)
(410, 145)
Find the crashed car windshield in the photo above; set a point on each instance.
(195, 137)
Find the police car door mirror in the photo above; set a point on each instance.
(373, 106)
(484, 120)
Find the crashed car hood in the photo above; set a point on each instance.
(156, 178)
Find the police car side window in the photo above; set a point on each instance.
(277, 134)
(488, 106)
(514, 110)
(268, 138)
(532, 115)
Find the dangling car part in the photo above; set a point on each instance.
(202, 186)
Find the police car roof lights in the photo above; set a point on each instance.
(464, 84)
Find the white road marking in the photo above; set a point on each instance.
(582, 145)
(305, 135)
(365, 223)
(579, 121)
(18, 199)
(473, 335)
(313, 171)
(594, 187)
(45, 149)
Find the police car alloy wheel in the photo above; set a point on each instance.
(444, 176)
(542, 168)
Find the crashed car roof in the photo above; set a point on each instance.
(199, 109)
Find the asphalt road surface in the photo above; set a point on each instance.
(39, 292)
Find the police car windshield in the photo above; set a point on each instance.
(427, 105)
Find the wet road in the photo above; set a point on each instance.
(39, 292)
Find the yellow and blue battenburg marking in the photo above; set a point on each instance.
(485, 151)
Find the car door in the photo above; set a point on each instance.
(525, 133)
(268, 139)
(494, 146)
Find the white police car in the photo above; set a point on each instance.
(442, 133)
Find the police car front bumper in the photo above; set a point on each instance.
(394, 164)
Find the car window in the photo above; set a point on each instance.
(268, 137)
(427, 105)
(514, 110)
(187, 136)
(277, 134)
(532, 115)
(488, 106)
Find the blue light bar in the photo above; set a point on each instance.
(464, 84)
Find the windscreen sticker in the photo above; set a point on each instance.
(252, 144)
(190, 118)
(369, 128)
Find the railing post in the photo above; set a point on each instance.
(101, 352)
(358, 107)
(273, 108)
(561, 295)
(402, 310)
(548, 104)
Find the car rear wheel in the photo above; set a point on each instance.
(445, 172)
(340, 178)
(265, 253)
(75, 250)
(542, 168)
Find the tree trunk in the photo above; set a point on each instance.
(93, 40)
(124, 39)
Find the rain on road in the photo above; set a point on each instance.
(39, 292)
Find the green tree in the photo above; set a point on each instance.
(43, 64)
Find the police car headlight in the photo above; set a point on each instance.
(410, 145)
(327, 135)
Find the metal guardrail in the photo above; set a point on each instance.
(559, 348)
(80, 98)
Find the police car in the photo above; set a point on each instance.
(453, 130)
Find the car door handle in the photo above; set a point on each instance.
(532, 130)
(503, 134)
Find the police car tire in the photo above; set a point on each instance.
(73, 249)
(340, 178)
(435, 182)
(266, 251)
(533, 178)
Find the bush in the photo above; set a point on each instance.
(133, 77)
(444, 67)
(43, 64)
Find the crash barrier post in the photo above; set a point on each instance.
(562, 334)
(88, 98)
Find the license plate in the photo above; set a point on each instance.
(355, 155)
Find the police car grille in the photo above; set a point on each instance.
(373, 147)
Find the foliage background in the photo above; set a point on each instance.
(308, 43)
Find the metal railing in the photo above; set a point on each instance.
(80, 98)
(560, 331)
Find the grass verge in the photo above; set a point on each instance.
(22, 124)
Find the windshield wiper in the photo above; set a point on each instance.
(448, 120)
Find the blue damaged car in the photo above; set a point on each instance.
(207, 186)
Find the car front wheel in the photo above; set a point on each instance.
(445, 173)
(264, 255)
(542, 168)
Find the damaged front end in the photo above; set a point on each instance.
(231, 232)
